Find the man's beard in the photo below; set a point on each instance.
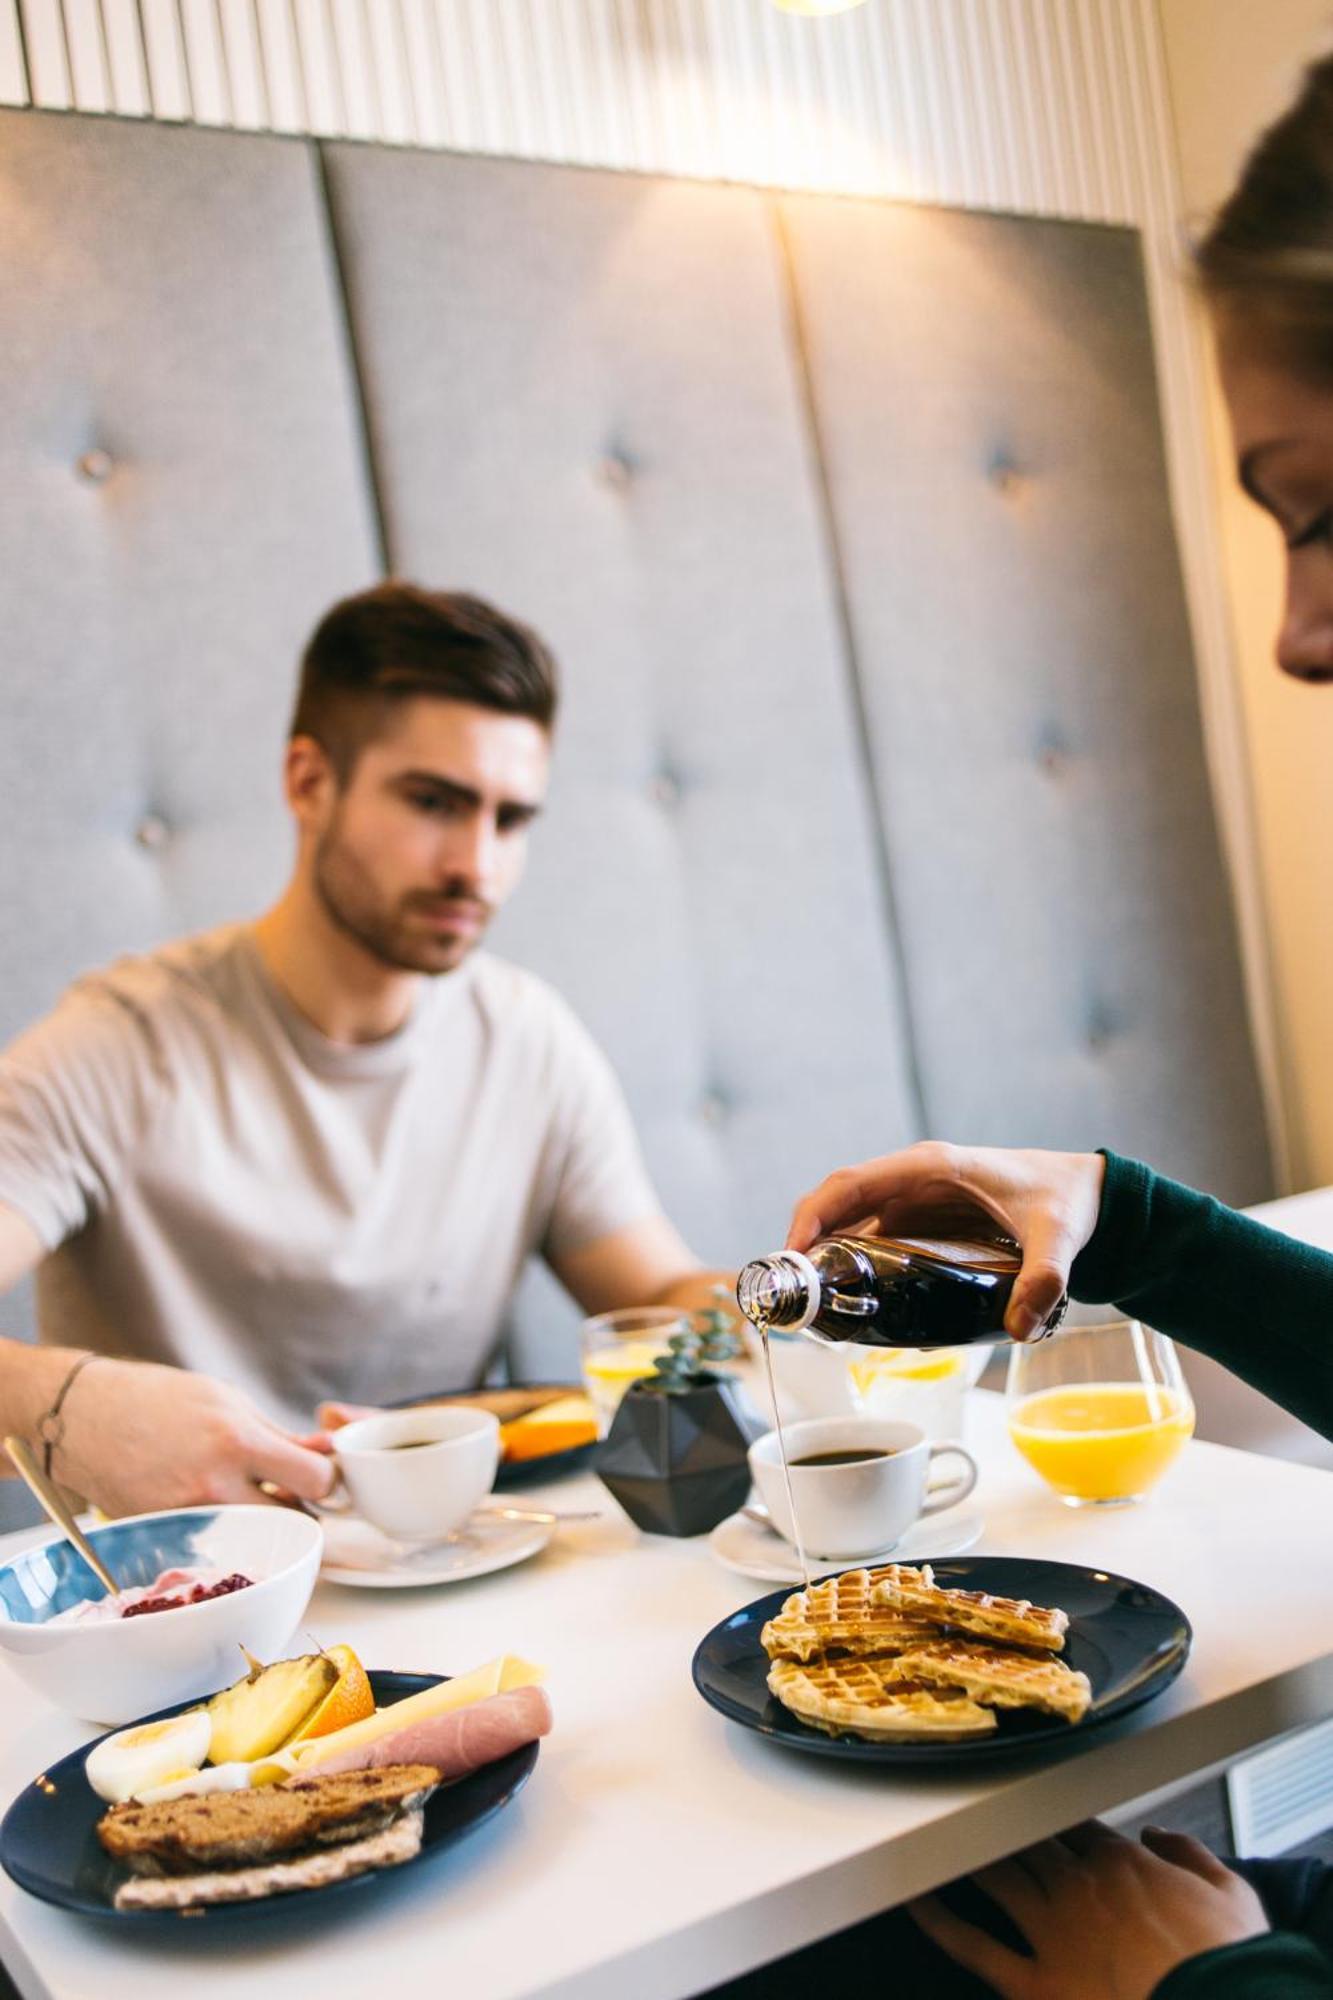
(389, 933)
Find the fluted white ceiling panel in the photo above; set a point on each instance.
(1003, 104)
(13, 72)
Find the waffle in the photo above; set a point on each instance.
(838, 1616)
(998, 1677)
(1012, 1621)
(869, 1698)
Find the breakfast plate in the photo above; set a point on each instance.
(49, 1847)
(359, 1554)
(746, 1546)
(1128, 1639)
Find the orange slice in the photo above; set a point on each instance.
(561, 1426)
(348, 1700)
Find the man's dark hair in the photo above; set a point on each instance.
(387, 645)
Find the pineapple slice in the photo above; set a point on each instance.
(266, 1708)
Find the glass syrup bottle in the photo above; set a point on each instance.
(886, 1291)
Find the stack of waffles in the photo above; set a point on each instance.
(889, 1655)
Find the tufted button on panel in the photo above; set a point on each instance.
(1099, 1031)
(1053, 754)
(152, 832)
(616, 470)
(665, 789)
(95, 466)
(1004, 474)
(713, 1108)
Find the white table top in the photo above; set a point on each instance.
(660, 1849)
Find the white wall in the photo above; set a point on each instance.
(1055, 107)
(1232, 67)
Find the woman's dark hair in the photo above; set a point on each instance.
(397, 641)
(1267, 260)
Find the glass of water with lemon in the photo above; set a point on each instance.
(926, 1387)
(1100, 1410)
(617, 1348)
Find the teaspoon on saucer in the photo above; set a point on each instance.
(546, 1515)
(762, 1516)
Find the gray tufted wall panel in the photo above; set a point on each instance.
(182, 490)
(582, 398)
(585, 395)
(987, 409)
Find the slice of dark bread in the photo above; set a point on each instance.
(233, 1829)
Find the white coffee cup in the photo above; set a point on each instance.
(417, 1473)
(862, 1507)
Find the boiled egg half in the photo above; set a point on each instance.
(149, 1755)
(213, 1778)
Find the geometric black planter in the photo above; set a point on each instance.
(677, 1464)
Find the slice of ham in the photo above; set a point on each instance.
(455, 1743)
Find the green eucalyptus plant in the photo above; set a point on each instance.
(709, 1336)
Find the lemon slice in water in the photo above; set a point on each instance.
(622, 1363)
(904, 1364)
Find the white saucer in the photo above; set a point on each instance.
(358, 1554)
(751, 1550)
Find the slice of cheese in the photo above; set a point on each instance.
(496, 1677)
(558, 1426)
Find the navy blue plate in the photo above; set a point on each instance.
(49, 1845)
(1129, 1640)
(554, 1465)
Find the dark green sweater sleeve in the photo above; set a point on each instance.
(1279, 1966)
(1255, 1300)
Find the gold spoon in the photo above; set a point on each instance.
(53, 1502)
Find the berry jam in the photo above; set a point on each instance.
(198, 1595)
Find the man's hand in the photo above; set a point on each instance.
(139, 1436)
(332, 1416)
(1106, 1918)
(1048, 1203)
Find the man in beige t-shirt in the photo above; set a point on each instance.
(307, 1158)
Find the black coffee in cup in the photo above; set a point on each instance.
(860, 1457)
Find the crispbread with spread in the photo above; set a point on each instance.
(392, 1844)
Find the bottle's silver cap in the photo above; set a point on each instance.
(782, 1271)
(806, 1271)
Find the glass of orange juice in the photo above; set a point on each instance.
(617, 1348)
(1100, 1410)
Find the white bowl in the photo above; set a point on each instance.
(128, 1667)
(813, 1378)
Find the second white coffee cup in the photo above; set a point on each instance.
(417, 1473)
(864, 1503)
